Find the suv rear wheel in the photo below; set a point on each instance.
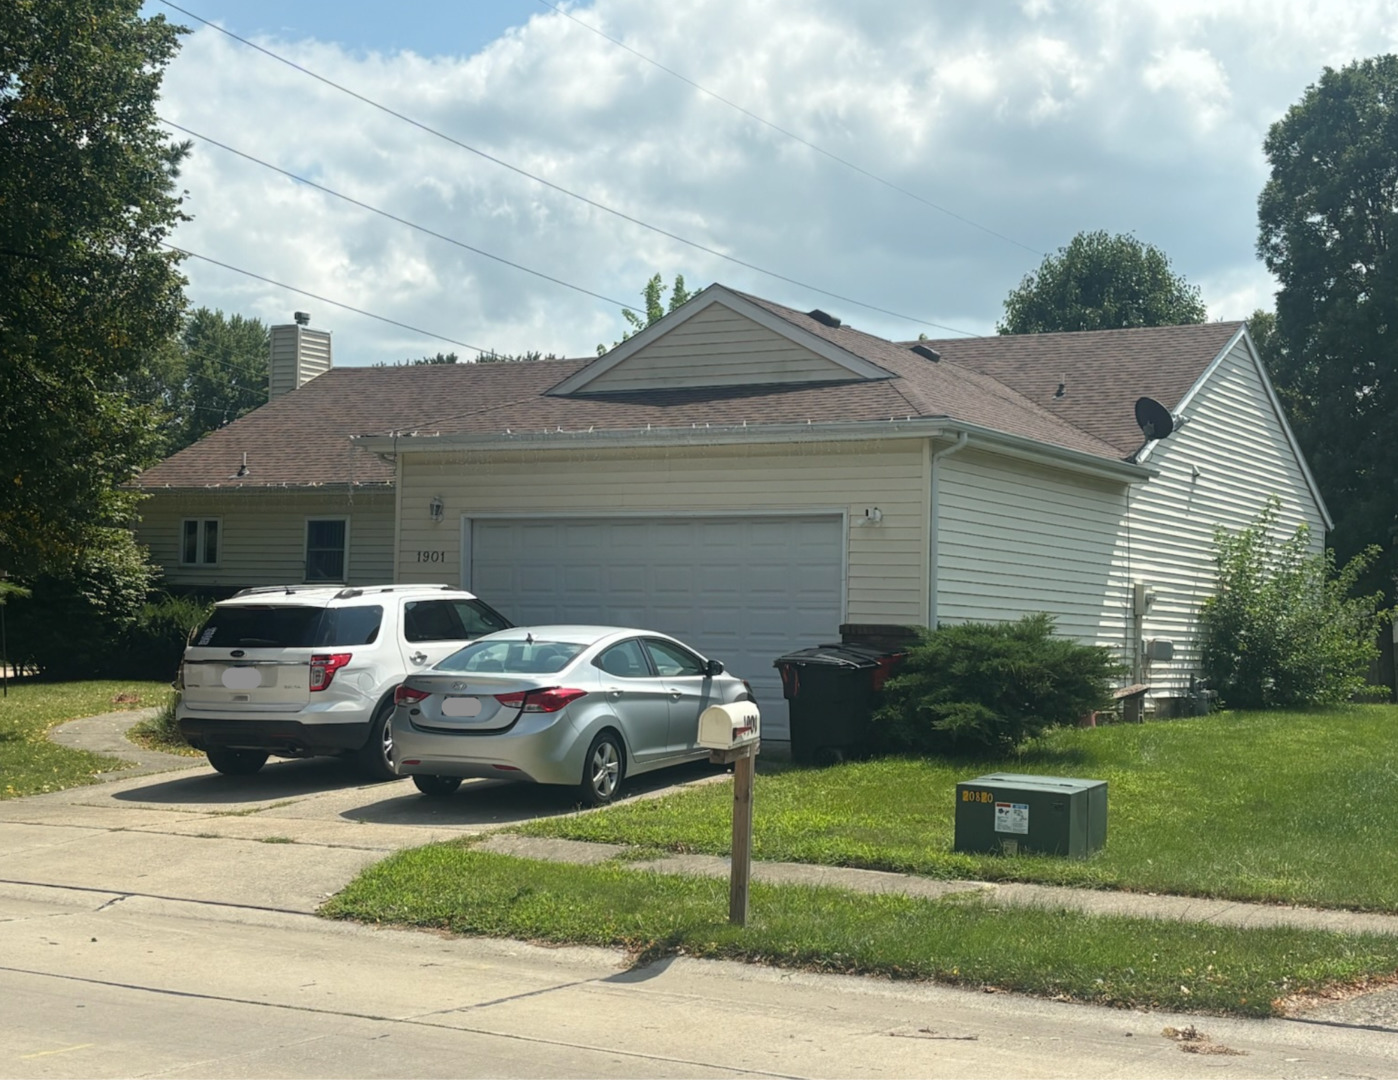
(235, 762)
(375, 757)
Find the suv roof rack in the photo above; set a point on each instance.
(288, 589)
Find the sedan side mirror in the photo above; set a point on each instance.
(714, 667)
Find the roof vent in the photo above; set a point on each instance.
(303, 318)
(929, 354)
(824, 318)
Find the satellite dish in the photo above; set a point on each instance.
(1153, 418)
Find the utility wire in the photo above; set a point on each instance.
(385, 214)
(326, 299)
(558, 187)
(789, 134)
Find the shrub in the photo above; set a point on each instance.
(1282, 629)
(75, 623)
(156, 642)
(991, 686)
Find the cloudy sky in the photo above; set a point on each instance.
(993, 131)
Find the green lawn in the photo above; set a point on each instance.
(1115, 961)
(29, 763)
(1291, 807)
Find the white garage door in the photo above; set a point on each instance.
(743, 590)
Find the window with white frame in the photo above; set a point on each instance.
(326, 549)
(199, 539)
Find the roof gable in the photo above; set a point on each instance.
(720, 339)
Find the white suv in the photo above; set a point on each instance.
(303, 670)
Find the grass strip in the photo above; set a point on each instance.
(1290, 807)
(962, 941)
(29, 763)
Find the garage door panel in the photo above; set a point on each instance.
(742, 590)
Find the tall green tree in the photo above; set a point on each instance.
(1328, 219)
(222, 374)
(87, 293)
(1101, 282)
(654, 295)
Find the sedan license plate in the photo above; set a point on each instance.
(461, 706)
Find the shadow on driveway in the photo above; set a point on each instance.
(501, 802)
(275, 781)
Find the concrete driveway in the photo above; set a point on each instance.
(283, 839)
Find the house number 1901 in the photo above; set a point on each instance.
(431, 556)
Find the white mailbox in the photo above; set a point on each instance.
(724, 727)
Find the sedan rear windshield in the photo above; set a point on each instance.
(290, 627)
(515, 657)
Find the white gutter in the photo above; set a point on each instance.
(728, 435)
(934, 524)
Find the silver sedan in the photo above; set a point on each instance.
(576, 705)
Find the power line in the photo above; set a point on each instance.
(558, 187)
(789, 134)
(385, 214)
(326, 299)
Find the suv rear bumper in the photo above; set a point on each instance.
(285, 738)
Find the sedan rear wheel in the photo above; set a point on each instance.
(603, 770)
(437, 786)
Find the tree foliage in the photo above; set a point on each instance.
(87, 293)
(1282, 628)
(991, 686)
(214, 373)
(654, 295)
(1328, 219)
(1101, 282)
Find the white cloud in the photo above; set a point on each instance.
(1035, 120)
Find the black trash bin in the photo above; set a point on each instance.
(832, 691)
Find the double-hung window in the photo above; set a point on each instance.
(326, 549)
(199, 542)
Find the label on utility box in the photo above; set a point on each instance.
(1012, 817)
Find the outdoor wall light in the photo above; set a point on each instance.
(436, 508)
(872, 515)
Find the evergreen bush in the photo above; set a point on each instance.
(991, 686)
(1283, 629)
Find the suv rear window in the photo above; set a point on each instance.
(450, 620)
(290, 627)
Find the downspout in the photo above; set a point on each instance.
(934, 523)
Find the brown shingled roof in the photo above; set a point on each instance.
(1002, 383)
(1103, 371)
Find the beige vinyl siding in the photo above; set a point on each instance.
(717, 347)
(886, 570)
(1234, 439)
(1016, 539)
(263, 534)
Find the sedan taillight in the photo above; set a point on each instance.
(540, 701)
(324, 666)
(406, 695)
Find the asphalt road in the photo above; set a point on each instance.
(163, 926)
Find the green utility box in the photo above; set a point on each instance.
(1011, 814)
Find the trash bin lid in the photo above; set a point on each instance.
(835, 655)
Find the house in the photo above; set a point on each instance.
(748, 477)
(282, 494)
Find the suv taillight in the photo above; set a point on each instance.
(178, 684)
(324, 666)
(406, 695)
(550, 700)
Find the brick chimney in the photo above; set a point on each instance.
(298, 355)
